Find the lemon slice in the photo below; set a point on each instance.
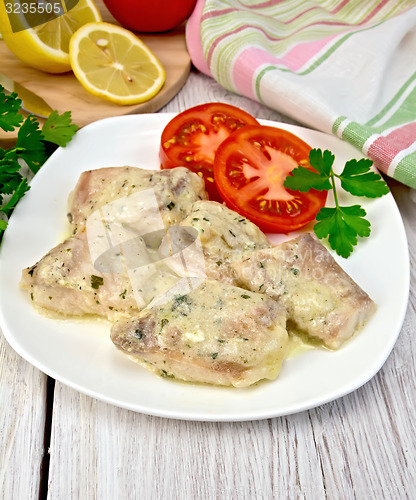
(45, 47)
(114, 64)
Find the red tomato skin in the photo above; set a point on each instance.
(233, 147)
(171, 157)
(150, 16)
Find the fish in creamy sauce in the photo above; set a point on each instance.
(217, 334)
(321, 299)
(66, 280)
(175, 190)
(225, 236)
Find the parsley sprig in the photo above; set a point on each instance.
(33, 147)
(342, 225)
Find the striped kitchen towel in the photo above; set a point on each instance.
(346, 67)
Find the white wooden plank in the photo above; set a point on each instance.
(347, 446)
(22, 423)
(117, 454)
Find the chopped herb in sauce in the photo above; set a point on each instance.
(96, 281)
(138, 333)
(214, 355)
(220, 303)
(180, 299)
(244, 296)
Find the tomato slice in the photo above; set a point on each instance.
(191, 139)
(250, 168)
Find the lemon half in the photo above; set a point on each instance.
(46, 47)
(114, 64)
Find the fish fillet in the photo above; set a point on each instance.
(321, 299)
(225, 235)
(175, 191)
(216, 333)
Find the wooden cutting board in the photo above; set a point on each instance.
(63, 92)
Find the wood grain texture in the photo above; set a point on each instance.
(63, 91)
(361, 446)
(22, 424)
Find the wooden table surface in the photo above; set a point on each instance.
(59, 444)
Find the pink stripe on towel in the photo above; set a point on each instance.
(193, 39)
(389, 146)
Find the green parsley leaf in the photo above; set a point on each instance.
(9, 174)
(355, 167)
(322, 162)
(303, 179)
(357, 179)
(58, 129)
(342, 225)
(18, 193)
(10, 118)
(30, 144)
(33, 147)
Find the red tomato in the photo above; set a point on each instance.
(250, 168)
(191, 139)
(150, 16)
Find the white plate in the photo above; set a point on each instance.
(81, 354)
